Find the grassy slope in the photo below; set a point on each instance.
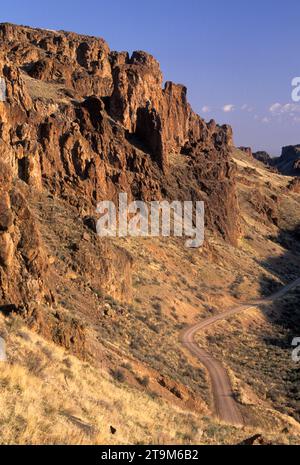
(52, 397)
(49, 396)
(256, 346)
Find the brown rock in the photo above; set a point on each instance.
(246, 150)
(6, 250)
(294, 185)
(84, 124)
(6, 216)
(256, 440)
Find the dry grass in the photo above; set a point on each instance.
(258, 354)
(48, 396)
(51, 397)
(38, 89)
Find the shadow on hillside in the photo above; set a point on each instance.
(285, 267)
(275, 366)
(283, 312)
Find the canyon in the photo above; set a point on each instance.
(94, 323)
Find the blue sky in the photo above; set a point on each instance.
(237, 57)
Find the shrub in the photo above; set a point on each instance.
(144, 381)
(118, 375)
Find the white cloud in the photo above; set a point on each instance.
(228, 108)
(265, 120)
(287, 108)
(205, 109)
(291, 108)
(246, 107)
(276, 107)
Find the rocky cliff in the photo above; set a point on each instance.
(263, 156)
(289, 161)
(81, 123)
(246, 150)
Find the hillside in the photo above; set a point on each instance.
(100, 320)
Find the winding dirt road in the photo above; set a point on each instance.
(226, 407)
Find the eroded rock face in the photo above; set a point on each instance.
(267, 208)
(78, 62)
(23, 261)
(79, 118)
(263, 156)
(247, 151)
(84, 123)
(289, 161)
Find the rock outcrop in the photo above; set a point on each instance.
(23, 263)
(289, 161)
(263, 156)
(246, 150)
(79, 115)
(294, 185)
(83, 123)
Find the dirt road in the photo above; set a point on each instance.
(226, 407)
